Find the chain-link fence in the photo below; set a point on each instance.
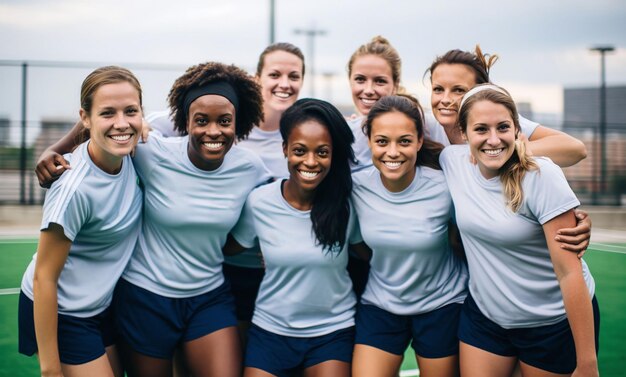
(30, 121)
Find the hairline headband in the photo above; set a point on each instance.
(220, 88)
(478, 89)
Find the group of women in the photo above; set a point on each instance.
(256, 172)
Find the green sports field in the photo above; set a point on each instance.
(607, 263)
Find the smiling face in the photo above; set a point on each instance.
(370, 79)
(309, 151)
(394, 143)
(281, 80)
(491, 136)
(114, 122)
(449, 83)
(211, 128)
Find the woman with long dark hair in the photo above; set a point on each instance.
(304, 314)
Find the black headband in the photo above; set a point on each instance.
(220, 88)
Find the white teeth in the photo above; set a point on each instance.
(213, 145)
(392, 164)
(282, 94)
(447, 111)
(368, 101)
(308, 174)
(120, 137)
(493, 152)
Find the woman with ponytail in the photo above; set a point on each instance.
(456, 72)
(527, 300)
(374, 71)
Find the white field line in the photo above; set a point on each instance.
(410, 373)
(608, 248)
(9, 291)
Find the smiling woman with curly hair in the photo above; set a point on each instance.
(249, 111)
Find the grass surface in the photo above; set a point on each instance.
(607, 264)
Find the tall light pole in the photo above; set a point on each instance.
(311, 34)
(602, 50)
(272, 21)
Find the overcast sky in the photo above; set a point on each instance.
(543, 44)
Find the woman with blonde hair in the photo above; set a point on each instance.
(528, 300)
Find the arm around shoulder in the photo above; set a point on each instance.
(560, 147)
(51, 163)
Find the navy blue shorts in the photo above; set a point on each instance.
(153, 325)
(80, 340)
(550, 347)
(244, 284)
(283, 355)
(433, 334)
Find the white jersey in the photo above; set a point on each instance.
(512, 278)
(306, 291)
(413, 269)
(188, 213)
(361, 148)
(101, 214)
(160, 121)
(268, 145)
(435, 131)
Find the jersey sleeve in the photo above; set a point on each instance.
(244, 231)
(354, 229)
(527, 126)
(264, 175)
(64, 204)
(547, 193)
(160, 121)
(148, 154)
(433, 130)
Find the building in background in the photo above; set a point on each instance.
(581, 109)
(581, 118)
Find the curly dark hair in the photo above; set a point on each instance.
(250, 111)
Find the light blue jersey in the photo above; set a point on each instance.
(268, 145)
(306, 291)
(512, 278)
(413, 269)
(101, 214)
(188, 213)
(160, 121)
(361, 148)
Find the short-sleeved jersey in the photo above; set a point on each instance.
(188, 213)
(306, 290)
(161, 122)
(361, 148)
(101, 214)
(413, 269)
(268, 145)
(435, 132)
(511, 274)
